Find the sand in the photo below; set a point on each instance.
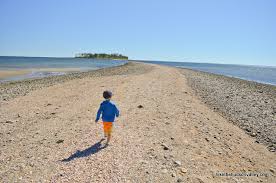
(10, 90)
(11, 73)
(165, 132)
(6, 74)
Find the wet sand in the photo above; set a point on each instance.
(10, 73)
(5, 74)
(165, 132)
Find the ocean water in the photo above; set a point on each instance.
(37, 64)
(261, 74)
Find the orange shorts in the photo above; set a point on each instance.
(107, 126)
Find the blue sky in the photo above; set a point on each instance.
(219, 31)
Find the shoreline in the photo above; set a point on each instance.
(247, 104)
(22, 74)
(12, 89)
(212, 89)
(166, 63)
(233, 77)
(48, 133)
(4, 74)
(230, 96)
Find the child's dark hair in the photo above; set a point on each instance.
(107, 94)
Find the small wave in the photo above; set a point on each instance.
(32, 75)
(39, 74)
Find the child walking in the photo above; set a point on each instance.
(108, 110)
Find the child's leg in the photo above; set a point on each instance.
(108, 130)
(105, 129)
(108, 138)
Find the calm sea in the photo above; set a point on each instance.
(261, 74)
(37, 64)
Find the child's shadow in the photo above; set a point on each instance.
(86, 152)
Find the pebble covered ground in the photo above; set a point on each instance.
(164, 134)
(249, 105)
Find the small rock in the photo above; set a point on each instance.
(216, 137)
(140, 106)
(165, 147)
(59, 141)
(144, 162)
(253, 134)
(172, 138)
(18, 115)
(164, 171)
(53, 113)
(173, 174)
(207, 139)
(178, 163)
(49, 104)
(272, 170)
(9, 121)
(200, 180)
(183, 170)
(179, 180)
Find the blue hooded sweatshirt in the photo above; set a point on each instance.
(108, 110)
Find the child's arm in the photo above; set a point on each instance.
(99, 113)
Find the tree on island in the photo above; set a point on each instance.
(101, 56)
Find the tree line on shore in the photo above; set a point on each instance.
(101, 56)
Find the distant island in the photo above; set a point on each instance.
(101, 56)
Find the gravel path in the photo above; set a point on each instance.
(249, 105)
(164, 134)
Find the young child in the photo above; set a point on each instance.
(108, 110)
